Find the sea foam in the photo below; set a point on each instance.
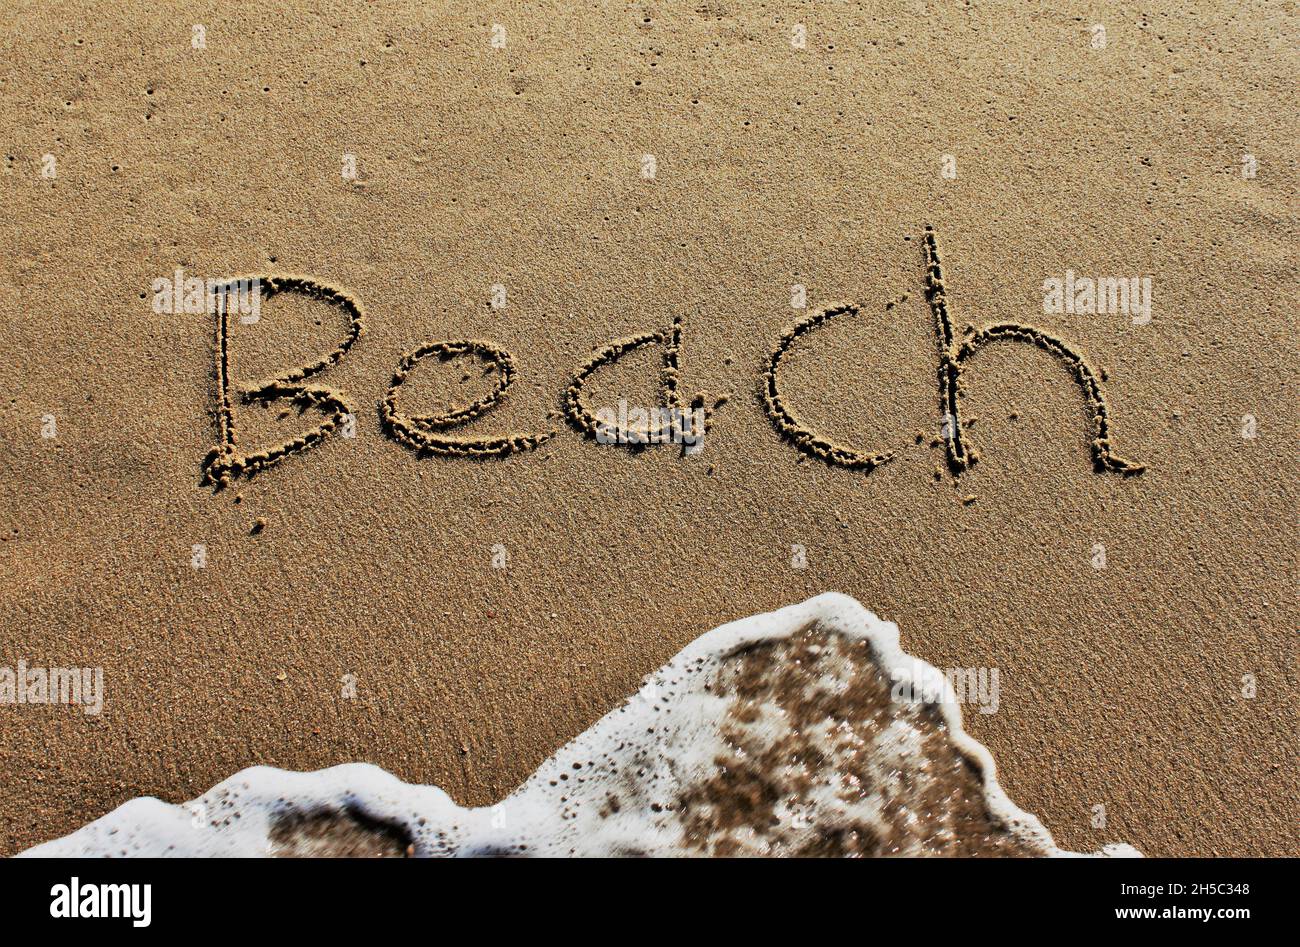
(779, 734)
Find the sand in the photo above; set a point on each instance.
(1161, 687)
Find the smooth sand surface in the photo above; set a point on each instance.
(1121, 687)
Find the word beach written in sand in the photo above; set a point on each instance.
(675, 421)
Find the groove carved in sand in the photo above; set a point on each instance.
(425, 433)
(421, 432)
(953, 354)
(785, 421)
(579, 414)
(224, 462)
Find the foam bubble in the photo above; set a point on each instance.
(780, 734)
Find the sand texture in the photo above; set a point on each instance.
(1099, 505)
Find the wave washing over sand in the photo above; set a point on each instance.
(773, 735)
